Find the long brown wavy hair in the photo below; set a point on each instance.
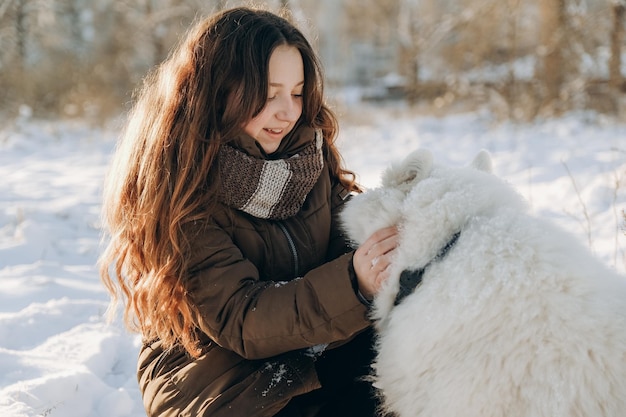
(160, 179)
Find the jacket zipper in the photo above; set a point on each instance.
(292, 247)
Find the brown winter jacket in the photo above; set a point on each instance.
(265, 291)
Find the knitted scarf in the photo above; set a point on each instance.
(269, 189)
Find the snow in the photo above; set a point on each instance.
(58, 356)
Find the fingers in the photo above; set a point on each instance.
(372, 259)
(379, 268)
(382, 235)
(378, 247)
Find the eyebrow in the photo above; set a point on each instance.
(281, 85)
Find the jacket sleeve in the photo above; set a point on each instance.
(258, 319)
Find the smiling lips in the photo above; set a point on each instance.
(274, 131)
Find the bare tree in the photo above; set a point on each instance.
(512, 48)
(21, 31)
(617, 39)
(408, 43)
(550, 71)
(73, 11)
(372, 28)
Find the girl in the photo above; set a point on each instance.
(221, 205)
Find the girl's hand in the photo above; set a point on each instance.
(372, 259)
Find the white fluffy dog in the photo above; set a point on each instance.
(512, 318)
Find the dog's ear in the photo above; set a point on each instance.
(414, 168)
(482, 161)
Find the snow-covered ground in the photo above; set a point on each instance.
(58, 357)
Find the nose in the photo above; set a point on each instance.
(290, 110)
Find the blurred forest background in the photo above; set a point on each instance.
(520, 59)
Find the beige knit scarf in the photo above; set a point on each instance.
(269, 189)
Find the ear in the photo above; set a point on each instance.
(482, 161)
(414, 168)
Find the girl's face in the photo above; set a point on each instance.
(284, 102)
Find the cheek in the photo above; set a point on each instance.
(253, 127)
(300, 107)
(249, 128)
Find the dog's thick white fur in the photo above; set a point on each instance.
(517, 319)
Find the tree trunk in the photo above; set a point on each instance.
(21, 32)
(73, 10)
(617, 38)
(408, 42)
(551, 73)
(512, 14)
(156, 41)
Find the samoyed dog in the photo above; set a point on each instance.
(489, 311)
